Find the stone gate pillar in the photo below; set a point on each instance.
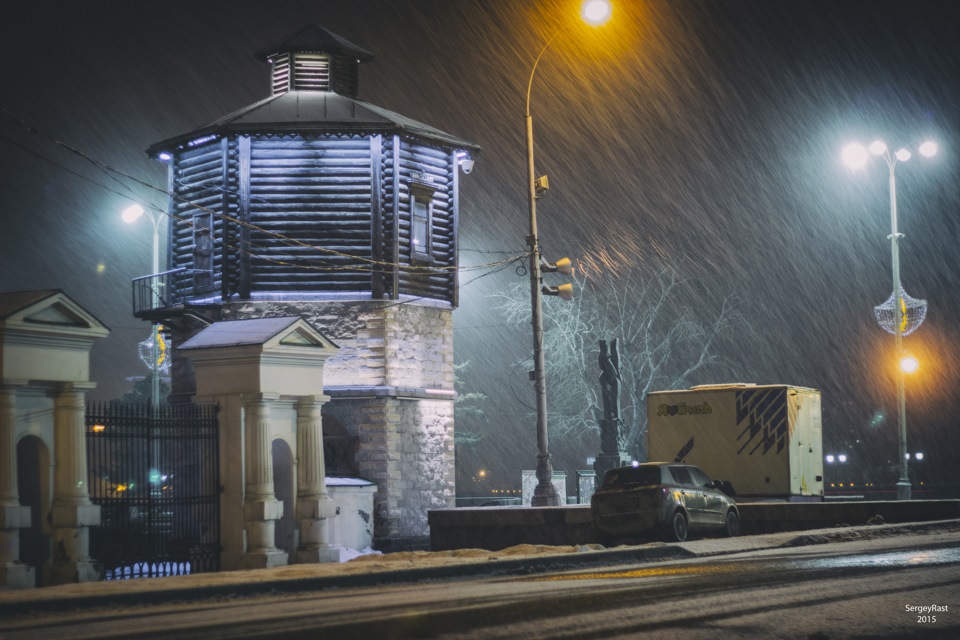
(13, 517)
(72, 513)
(255, 370)
(261, 509)
(45, 342)
(314, 506)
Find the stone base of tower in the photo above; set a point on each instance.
(405, 446)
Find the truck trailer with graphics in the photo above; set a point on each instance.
(765, 439)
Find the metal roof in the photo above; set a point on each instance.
(234, 333)
(314, 112)
(314, 39)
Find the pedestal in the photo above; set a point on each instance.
(607, 461)
(71, 543)
(261, 551)
(13, 573)
(314, 520)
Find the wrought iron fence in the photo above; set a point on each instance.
(155, 475)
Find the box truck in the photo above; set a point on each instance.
(765, 439)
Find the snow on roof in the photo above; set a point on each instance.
(347, 482)
(234, 333)
(317, 39)
(305, 112)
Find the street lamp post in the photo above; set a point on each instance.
(594, 12)
(130, 215)
(856, 156)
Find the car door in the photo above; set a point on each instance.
(714, 510)
(692, 495)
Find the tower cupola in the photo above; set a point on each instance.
(314, 59)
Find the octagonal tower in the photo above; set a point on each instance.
(312, 202)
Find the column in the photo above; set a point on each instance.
(261, 509)
(314, 506)
(13, 517)
(72, 513)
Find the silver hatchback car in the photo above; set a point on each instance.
(664, 499)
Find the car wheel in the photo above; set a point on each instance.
(731, 526)
(677, 527)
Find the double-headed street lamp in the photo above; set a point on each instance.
(130, 215)
(594, 12)
(901, 314)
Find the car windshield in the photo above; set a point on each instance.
(632, 475)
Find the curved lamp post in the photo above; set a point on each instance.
(595, 12)
(856, 156)
(130, 215)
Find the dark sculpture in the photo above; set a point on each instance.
(612, 446)
(610, 380)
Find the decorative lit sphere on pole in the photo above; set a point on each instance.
(900, 315)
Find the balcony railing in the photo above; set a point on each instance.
(159, 291)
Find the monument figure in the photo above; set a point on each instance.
(612, 446)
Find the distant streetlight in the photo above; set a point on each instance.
(856, 157)
(130, 215)
(594, 12)
(909, 364)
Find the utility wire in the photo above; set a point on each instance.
(113, 172)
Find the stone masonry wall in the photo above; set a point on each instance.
(406, 447)
(381, 343)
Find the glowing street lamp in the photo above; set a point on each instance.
(594, 12)
(901, 314)
(130, 215)
(909, 364)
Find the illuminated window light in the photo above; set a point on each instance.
(99, 428)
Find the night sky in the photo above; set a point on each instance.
(704, 136)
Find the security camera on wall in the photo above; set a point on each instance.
(467, 165)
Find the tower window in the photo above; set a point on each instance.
(421, 223)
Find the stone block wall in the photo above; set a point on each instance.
(381, 343)
(406, 447)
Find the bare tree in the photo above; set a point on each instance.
(668, 330)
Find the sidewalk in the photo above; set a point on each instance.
(404, 567)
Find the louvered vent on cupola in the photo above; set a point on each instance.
(315, 59)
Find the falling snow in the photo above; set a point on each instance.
(701, 136)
